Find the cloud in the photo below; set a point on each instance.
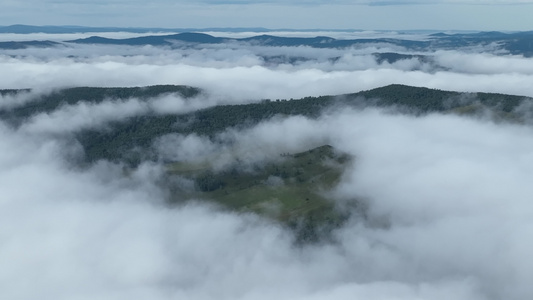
(451, 199)
(447, 199)
(11, 100)
(85, 115)
(243, 73)
(448, 209)
(73, 118)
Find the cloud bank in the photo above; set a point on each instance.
(449, 216)
(448, 210)
(248, 73)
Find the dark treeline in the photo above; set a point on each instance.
(128, 140)
(49, 102)
(12, 92)
(139, 132)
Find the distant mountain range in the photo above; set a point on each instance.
(514, 43)
(28, 44)
(517, 43)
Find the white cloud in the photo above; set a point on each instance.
(449, 213)
(72, 118)
(242, 73)
(474, 63)
(452, 199)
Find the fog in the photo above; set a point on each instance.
(448, 198)
(249, 72)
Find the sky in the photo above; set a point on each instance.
(342, 14)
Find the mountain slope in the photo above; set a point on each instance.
(291, 191)
(28, 44)
(117, 142)
(519, 43)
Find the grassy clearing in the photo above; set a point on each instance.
(290, 191)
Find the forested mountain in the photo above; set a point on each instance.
(26, 44)
(47, 103)
(291, 190)
(140, 131)
(519, 43)
(120, 137)
(263, 40)
(156, 40)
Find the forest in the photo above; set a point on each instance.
(122, 140)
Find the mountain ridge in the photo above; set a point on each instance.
(516, 43)
(138, 132)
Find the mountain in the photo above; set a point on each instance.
(392, 57)
(155, 40)
(117, 142)
(263, 40)
(520, 43)
(292, 190)
(28, 44)
(47, 103)
(517, 43)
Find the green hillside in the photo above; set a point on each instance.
(292, 191)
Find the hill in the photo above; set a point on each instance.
(263, 40)
(47, 103)
(291, 190)
(117, 142)
(518, 43)
(28, 44)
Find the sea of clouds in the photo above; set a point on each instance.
(449, 211)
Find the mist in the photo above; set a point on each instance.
(447, 198)
(251, 73)
(448, 217)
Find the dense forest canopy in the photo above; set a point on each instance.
(119, 138)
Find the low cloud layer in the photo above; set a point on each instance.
(449, 216)
(250, 73)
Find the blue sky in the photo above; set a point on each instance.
(336, 14)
